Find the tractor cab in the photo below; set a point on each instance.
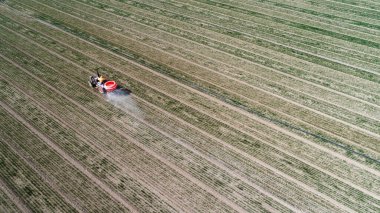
(106, 86)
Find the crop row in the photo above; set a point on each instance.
(167, 146)
(144, 137)
(261, 34)
(284, 27)
(334, 14)
(186, 44)
(263, 59)
(361, 4)
(98, 162)
(210, 89)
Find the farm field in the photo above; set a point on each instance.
(236, 106)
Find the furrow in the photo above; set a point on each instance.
(139, 158)
(358, 20)
(315, 48)
(27, 189)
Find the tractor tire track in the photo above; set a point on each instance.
(350, 5)
(216, 85)
(334, 91)
(227, 169)
(95, 145)
(273, 42)
(307, 31)
(328, 10)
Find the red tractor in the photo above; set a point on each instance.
(106, 86)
